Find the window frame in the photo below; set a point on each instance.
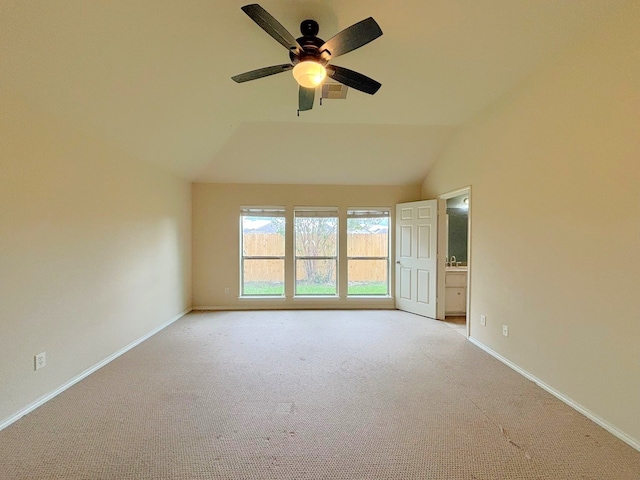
(267, 212)
(370, 212)
(317, 212)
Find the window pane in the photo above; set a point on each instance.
(368, 237)
(368, 277)
(316, 237)
(316, 277)
(263, 236)
(263, 277)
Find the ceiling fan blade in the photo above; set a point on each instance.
(353, 79)
(351, 38)
(305, 98)
(261, 72)
(272, 27)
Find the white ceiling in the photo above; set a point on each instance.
(152, 77)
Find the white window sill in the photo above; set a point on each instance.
(316, 297)
(369, 297)
(262, 297)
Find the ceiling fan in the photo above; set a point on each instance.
(310, 55)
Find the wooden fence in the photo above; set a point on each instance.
(359, 245)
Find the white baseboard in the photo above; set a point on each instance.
(634, 443)
(310, 305)
(31, 407)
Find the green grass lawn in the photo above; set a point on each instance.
(372, 288)
(264, 288)
(316, 289)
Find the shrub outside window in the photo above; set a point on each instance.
(316, 251)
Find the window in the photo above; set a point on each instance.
(316, 251)
(262, 260)
(368, 252)
(311, 262)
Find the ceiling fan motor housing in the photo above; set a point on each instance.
(310, 43)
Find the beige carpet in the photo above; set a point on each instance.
(309, 395)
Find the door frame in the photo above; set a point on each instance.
(441, 270)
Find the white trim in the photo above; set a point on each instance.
(41, 401)
(369, 212)
(364, 296)
(262, 211)
(445, 196)
(278, 298)
(381, 303)
(456, 193)
(315, 298)
(632, 442)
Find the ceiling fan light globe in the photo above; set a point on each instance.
(309, 74)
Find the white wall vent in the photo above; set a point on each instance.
(334, 91)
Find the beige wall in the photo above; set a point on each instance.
(216, 213)
(95, 252)
(555, 175)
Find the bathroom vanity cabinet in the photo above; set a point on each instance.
(456, 291)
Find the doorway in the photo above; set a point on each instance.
(456, 239)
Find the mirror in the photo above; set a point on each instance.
(457, 227)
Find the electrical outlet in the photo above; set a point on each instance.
(505, 330)
(226, 290)
(483, 320)
(40, 360)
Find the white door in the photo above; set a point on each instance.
(416, 257)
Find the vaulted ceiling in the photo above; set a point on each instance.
(152, 77)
